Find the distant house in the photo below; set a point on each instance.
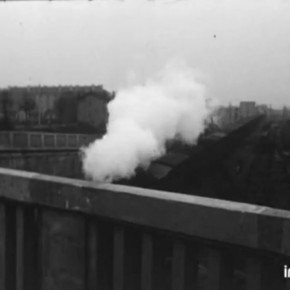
(225, 117)
(247, 109)
(92, 108)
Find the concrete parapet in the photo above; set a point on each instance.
(239, 224)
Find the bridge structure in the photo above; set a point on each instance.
(59, 154)
(51, 153)
(69, 234)
(22, 140)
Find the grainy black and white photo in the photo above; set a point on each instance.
(145, 145)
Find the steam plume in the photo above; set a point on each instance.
(142, 119)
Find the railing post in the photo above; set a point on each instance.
(79, 140)
(12, 139)
(253, 274)
(66, 140)
(28, 140)
(19, 248)
(213, 268)
(54, 140)
(42, 140)
(92, 255)
(220, 270)
(178, 265)
(147, 260)
(2, 246)
(191, 266)
(118, 261)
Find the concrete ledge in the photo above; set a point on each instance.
(240, 224)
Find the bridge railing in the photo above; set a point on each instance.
(36, 140)
(59, 233)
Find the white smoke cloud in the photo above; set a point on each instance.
(142, 118)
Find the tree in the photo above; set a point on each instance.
(28, 104)
(6, 102)
(66, 108)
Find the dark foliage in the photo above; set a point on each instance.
(6, 104)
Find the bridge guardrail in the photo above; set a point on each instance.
(73, 234)
(19, 139)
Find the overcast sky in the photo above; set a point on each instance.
(241, 47)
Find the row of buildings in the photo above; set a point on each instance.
(40, 106)
(58, 105)
(226, 116)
